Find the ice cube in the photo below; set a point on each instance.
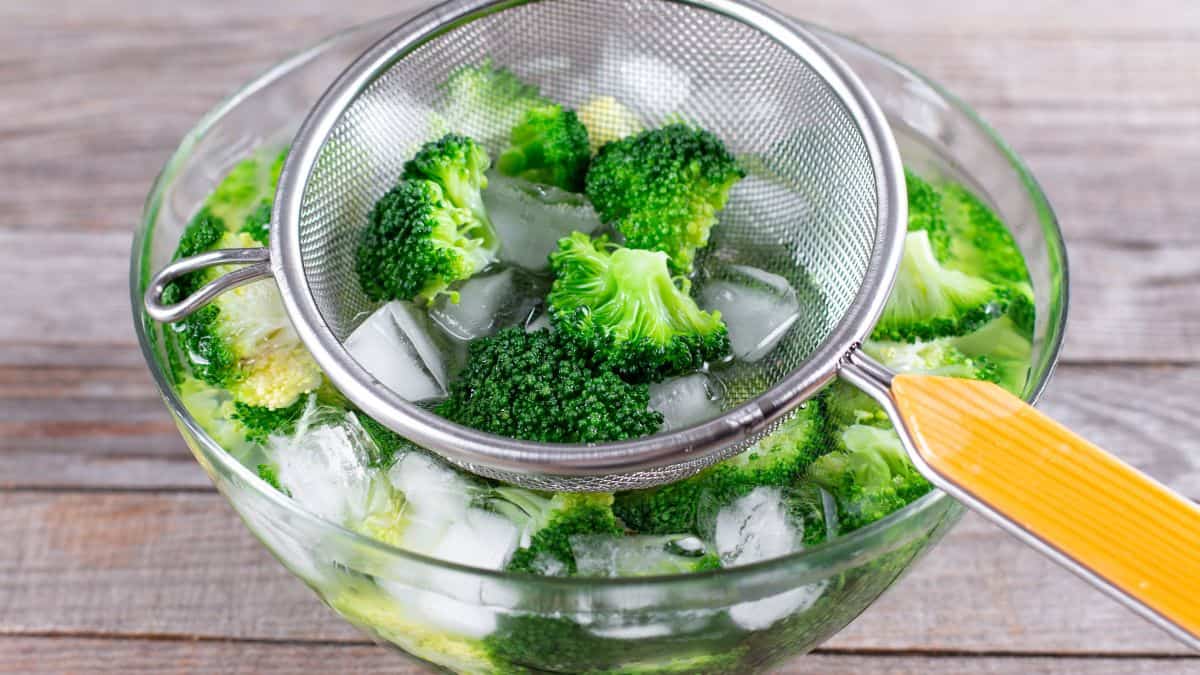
(687, 400)
(396, 346)
(324, 466)
(759, 527)
(479, 539)
(761, 614)
(530, 219)
(757, 306)
(432, 488)
(488, 303)
(756, 527)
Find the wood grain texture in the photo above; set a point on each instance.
(1098, 98)
(46, 655)
(1118, 523)
(183, 566)
(82, 425)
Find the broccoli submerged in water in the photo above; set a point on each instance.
(243, 340)
(548, 522)
(540, 386)
(624, 305)
(869, 475)
(779, 459)
(663, 188)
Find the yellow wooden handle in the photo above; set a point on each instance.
(1114, 521)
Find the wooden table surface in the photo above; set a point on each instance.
(116, 553)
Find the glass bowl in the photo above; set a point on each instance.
(469, 620)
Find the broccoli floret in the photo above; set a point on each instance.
(243, 340)
(662, 189)
(540, 386)
(549, 146)
(930, 301)
(778, 459)
(1005, 346)
(548, 522)
(417, 243)
(624, 305)
(487, 96)
(267, 473)
(458, 165)
(560, 645)
(925, 213)
(248, 185)
(261, 422)
(938, 357)
(869, 477)
(258, 223)
(980, 244)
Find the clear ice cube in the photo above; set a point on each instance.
(687, 400)
(396, 346)
(530, 219)
(488, 303)
(324, 466)
(757, 306)
(758, 527)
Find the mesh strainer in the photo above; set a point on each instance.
(823, 206)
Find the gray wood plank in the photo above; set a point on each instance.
(96, 427)
(68, 293)
(183, 566)
(45, 655)
(1087, 116)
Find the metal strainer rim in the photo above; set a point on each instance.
(469, 446)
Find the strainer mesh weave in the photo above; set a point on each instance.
(807, 210)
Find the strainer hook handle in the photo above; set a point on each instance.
(257, 263)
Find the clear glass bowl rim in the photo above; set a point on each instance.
(841, 553)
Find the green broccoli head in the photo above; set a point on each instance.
(458, 165)
(662, 189)
(925, 213)
(869, 477)
(624, 305)
(260, 423)
(417, 243)
(980, 243)
(778, 459)
(930, 301)
(243, 340)
(558, 644)
(540, 386)
(549, 146)
(1006, 349)
(549, 522)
